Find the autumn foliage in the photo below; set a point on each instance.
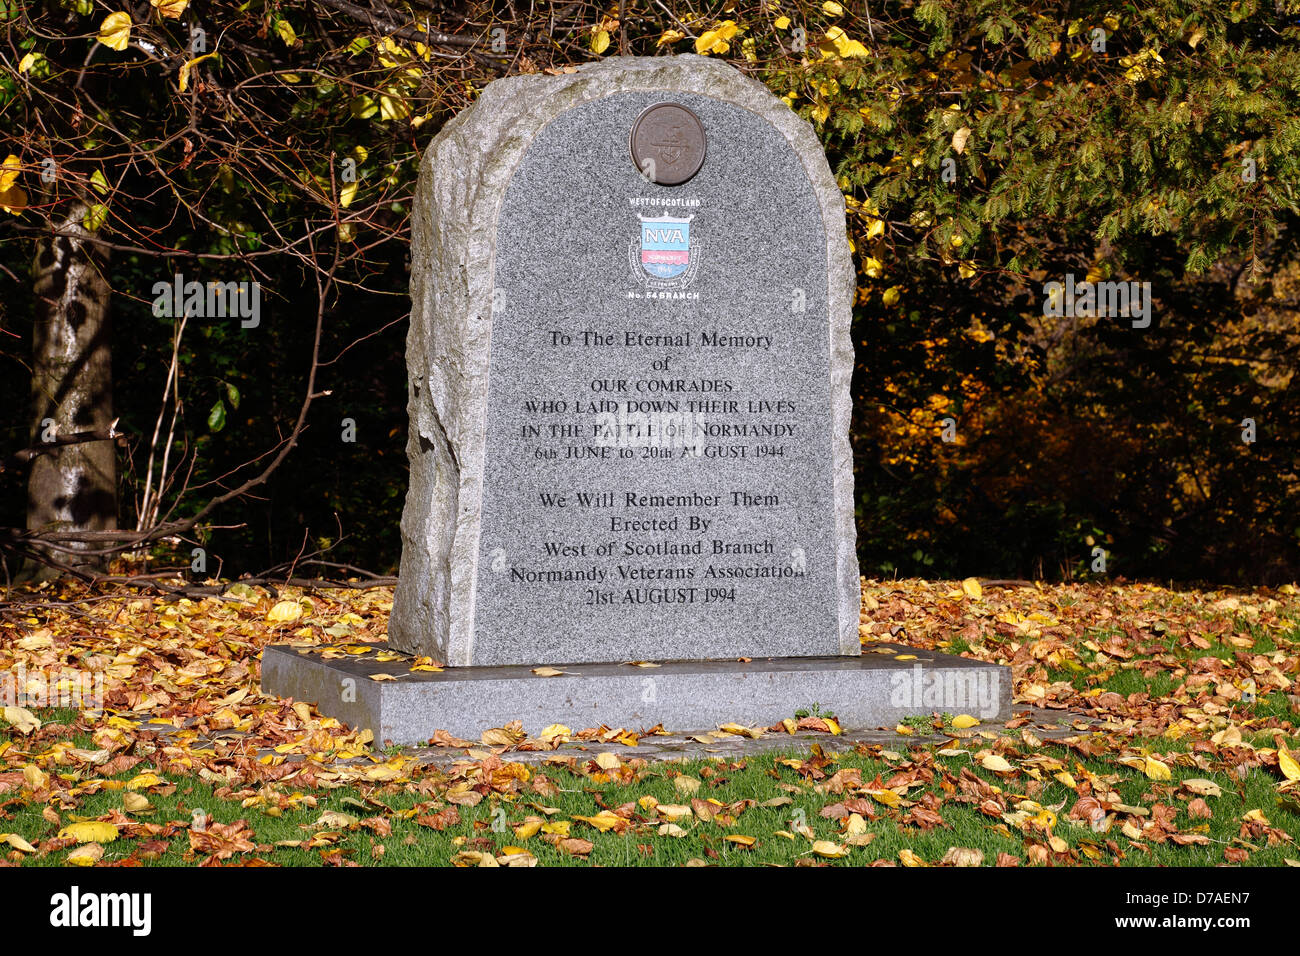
(985, 148)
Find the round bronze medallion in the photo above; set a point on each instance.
(667, 144)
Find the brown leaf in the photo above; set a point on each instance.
(441, 820)
(222, 840)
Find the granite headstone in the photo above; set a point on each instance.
(629, 377)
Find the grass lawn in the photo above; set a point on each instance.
(1189, 760)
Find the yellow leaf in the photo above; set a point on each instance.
(284, 612)
(959, 139)
(885, 797)
(963, 721)
(670, 36)
(547, 672)
(18, 843)
(605, 820)
(673, 811)
(832, 8)
(13, 201)
(705, 41)
(383, 677)
(555, 730)
(965, 270)
(833, 725)
(842, 44)
(284, 30)
(115, 31)
(781, 22)
(528, 828)
(183, 81)
(26, 63)
(716, 40)
(908, 858)
(135, 802)
(1155, 769)
(393, 106)
(87, 855)
(972, 589)
(171, 9)
(996, 763)
(35, 777)
(740, 839)
(891, 295)
(608, 761)
(20, 718)
(1287, 764)
(829, 849)
(89, 832)
(600, 42)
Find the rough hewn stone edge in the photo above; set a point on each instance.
(463, 180)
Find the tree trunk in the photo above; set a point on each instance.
(72, 487)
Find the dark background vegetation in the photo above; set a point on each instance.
(1123, 163)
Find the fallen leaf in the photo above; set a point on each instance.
(18, 843)
(963, 856)
(1201, 787)
(20, 718)
(830, 850)
(89, 832)
(284, 612)
(87, 855)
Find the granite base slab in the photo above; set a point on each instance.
(885, 685)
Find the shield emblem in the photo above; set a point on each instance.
(665, 246)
